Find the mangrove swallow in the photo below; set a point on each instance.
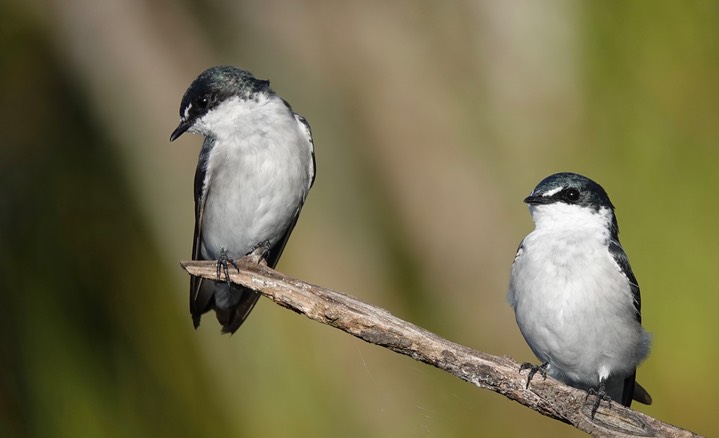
(255, 169)
(574, 295)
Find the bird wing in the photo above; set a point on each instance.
(510, 295)
(520, 250)
(620, 257)
(201, 292)
(275, 251)
(307, 131)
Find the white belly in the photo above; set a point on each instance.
(575, 308)
(253, 194)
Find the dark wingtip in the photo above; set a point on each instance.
(232, 318)
(236, 320)
(641, 395)
(229, 330)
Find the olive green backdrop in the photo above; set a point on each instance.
(432, 121)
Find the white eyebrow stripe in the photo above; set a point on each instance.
(552, 192)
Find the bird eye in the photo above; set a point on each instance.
(571, 195)
(202, 102)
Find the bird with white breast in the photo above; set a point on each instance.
(255, 169)
(574, 294)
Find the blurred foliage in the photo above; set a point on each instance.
(431, 122)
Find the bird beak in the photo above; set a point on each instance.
(181, 128)
(537, 200)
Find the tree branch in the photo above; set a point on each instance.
(497, 373)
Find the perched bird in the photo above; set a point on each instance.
(255, 169)
(574, 295)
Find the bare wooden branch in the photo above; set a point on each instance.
(497, 373)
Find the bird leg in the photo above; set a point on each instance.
(222, 266)
(533, 369)
(600, 394)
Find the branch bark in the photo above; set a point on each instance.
(497, 373)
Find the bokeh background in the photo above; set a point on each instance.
(431, 120)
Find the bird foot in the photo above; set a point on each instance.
(223, 262)
(534, 369)
(259, 252)
(600, 395)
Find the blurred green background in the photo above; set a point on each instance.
(432, 121)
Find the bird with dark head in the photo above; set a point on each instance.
(574, 294)
(255, 169)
